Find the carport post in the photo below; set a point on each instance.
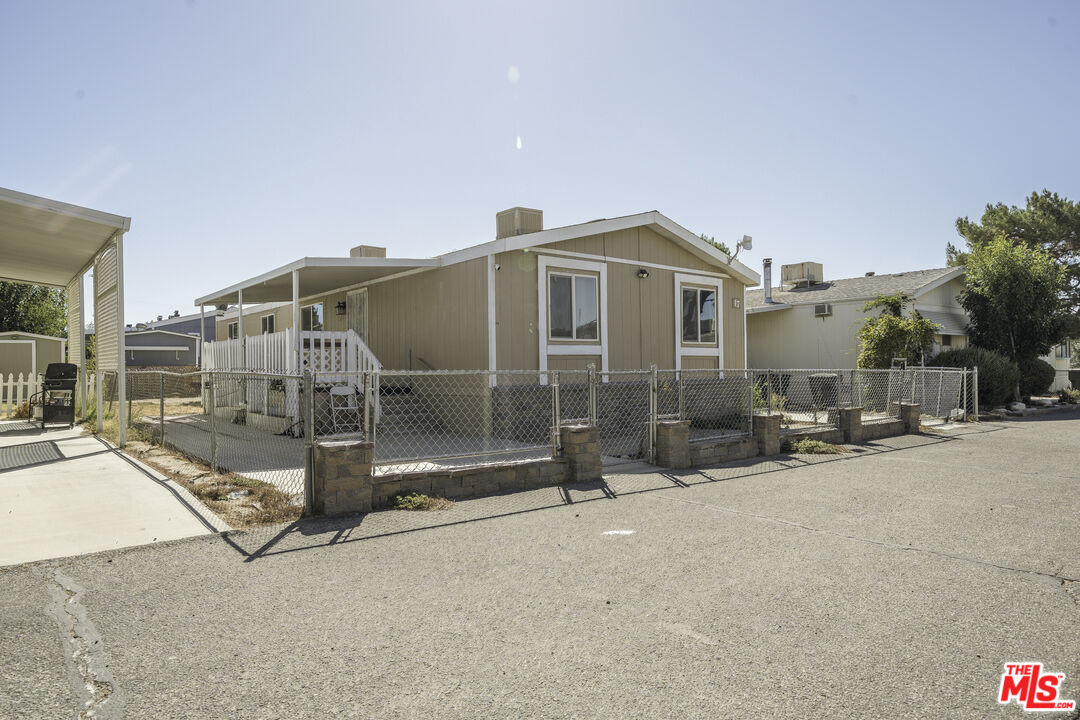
(97, 390)
(121, 355)
(202, 341)
(297, 342)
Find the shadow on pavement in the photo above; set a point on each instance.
(309, 533)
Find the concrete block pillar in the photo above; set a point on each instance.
(910, 414)
(581, 448)
(850, 423)
(767, 433)
(341, 482)
(673, 443)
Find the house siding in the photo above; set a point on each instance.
(640, 311)
(15, 358)
(795, 338)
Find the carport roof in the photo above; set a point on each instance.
(48, 242)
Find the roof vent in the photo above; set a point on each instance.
(518, 221)
(870, 274)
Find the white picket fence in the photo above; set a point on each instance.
(14, 391)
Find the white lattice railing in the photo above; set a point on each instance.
(14, 391)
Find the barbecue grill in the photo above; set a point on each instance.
(57, 395)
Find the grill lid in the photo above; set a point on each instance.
(62, 371)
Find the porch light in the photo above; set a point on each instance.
(339, 309)
(642, 273)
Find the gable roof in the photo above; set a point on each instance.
(913, 282)
(320, 275)
(21, 334)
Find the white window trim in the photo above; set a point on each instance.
(262, 325)
(699, 350)
(572, 348)
(573, 306)
(305, 307)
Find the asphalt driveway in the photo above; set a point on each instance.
(894, 582)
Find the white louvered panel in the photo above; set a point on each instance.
(74, 321)
(106, 317)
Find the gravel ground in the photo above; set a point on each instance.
(894, 581)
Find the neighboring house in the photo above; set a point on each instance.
(160, 348)
(808, 322)
(185, 324)
(622, 293)
(29, 354)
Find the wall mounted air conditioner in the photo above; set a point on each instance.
(823, 310)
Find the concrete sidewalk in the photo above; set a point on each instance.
(64, 492)
(893, 582)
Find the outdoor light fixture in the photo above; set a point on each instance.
(642, 273)
(340, 307)
(746, 243)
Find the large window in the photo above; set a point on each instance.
(699, 315)
(573, 307)
(234, 330)
(267, 324)
(311, 317)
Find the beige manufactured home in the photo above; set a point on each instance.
(620, 294)
(810, 322)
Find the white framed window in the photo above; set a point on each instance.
(1063, 350)
(311, 317)
(699, 318)
(267, 324)
(573, 307)
(698, 308)
(575, 342)
(234, 330)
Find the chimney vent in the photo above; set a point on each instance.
(367, 251)
(518, 221)
(766, 278)
(870, 274)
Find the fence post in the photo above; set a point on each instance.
(682, 397)
(309, 437)
(211, 392)
(366, 394)
(975, 390)
(161, 408)
(652, 413)
(556, 413)
(749, 374)
(592, 395)
(768, 388)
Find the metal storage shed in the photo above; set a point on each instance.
(48, 242)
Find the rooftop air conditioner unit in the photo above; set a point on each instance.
(823, 310)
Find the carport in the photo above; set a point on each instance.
(52, 243)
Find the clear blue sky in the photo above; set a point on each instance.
(242, 135)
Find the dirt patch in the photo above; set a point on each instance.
(241, 502)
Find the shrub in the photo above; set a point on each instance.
(998, 374)
(1069, 395)
(806, 446)
(419, 501)
(1036, 377)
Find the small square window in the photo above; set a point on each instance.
(311, 317)
(267, 324)
(234, 330)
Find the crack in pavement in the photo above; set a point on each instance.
(1043, 577)
(88, 675)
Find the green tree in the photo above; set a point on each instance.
(716, 244)
(892, 335)
(1047, 222)
(1013, 295)
(32, 309)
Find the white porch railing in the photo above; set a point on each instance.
(321, 351)
(325, 353)
(15, 391)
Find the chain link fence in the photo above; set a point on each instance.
(262, 426)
